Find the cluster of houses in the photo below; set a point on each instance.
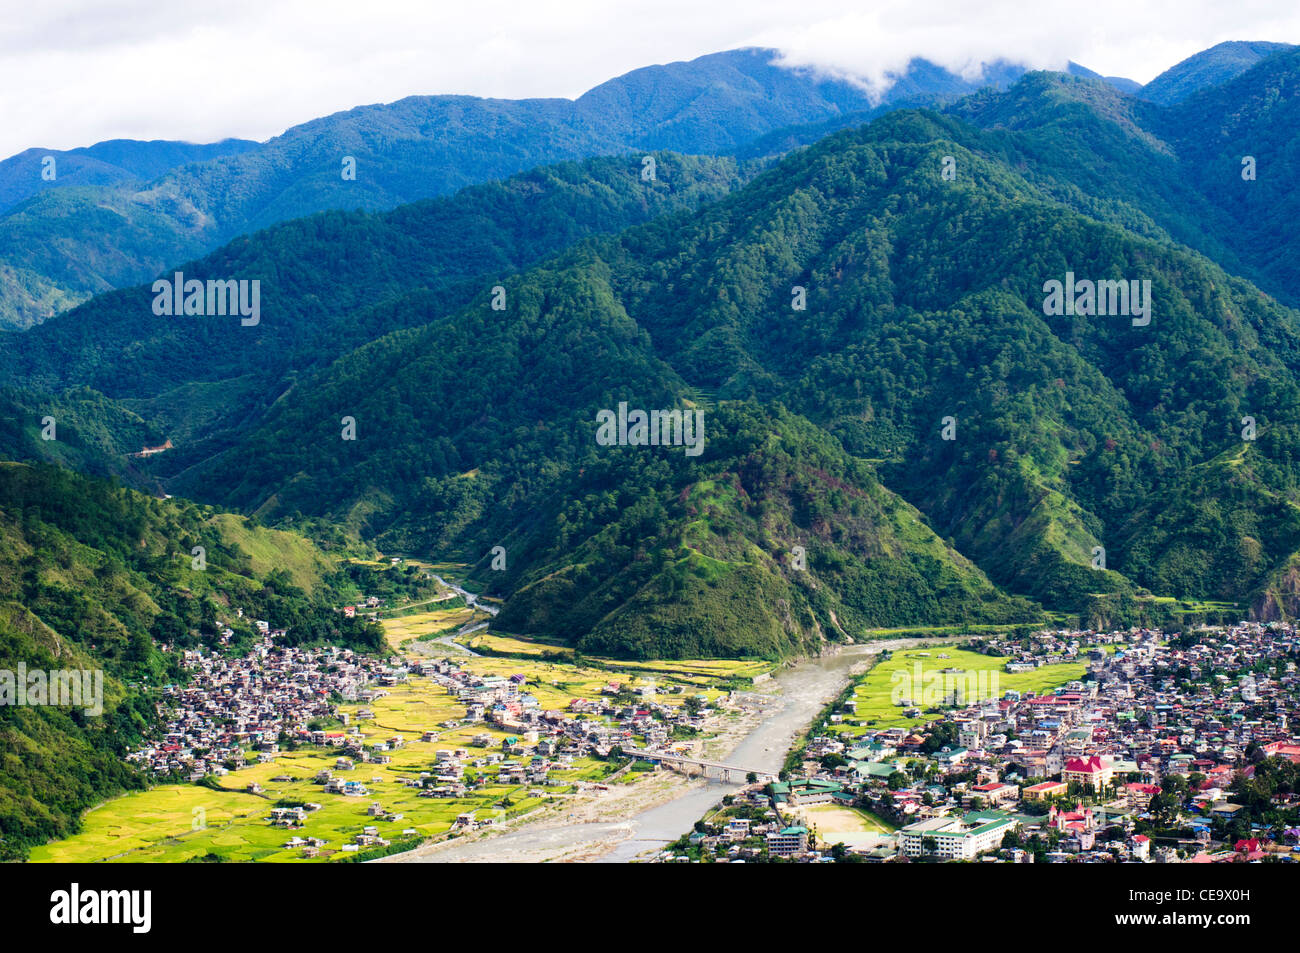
(240, 707)
(1137, 761)
(236, 703)
(621, 717)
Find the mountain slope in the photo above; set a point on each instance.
(324, 280)
(924, 302)
(1208, 68)
(94, 577)
(924, 308)
(1254, 115)
(477, 431)
(63, 245)
(1173, 173)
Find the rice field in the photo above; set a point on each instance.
(875, 692)
(431, 624)
(180, 822)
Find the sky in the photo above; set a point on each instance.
(75, 72)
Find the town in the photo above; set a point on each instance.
(402, 750)
(1166, 750)
(1060, 746)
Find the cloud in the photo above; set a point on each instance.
(73, 72)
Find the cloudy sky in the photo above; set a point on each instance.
(73, 72)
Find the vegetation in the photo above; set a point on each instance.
(97, 577)
(65, 244)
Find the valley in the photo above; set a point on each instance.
(928, 452)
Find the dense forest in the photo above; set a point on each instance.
(923, 303)
(325, 280)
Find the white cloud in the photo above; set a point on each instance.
(73, 72)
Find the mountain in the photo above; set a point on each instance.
(104, 163)
(1121, 83)
(94, 577)
(1208, 68)
(1169, 173)
(324, 281)
(63, 245)
(924, 302)
(1080, 441)
(78, 428)
(1253, 115)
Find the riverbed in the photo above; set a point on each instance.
(803, 690)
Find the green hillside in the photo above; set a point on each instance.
(924, 301)
(325, 283)
(1094, 461)
(97, 577)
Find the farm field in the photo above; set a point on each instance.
(875, 691)
(423, 625)
(511, 645)
(691, 671)
(180, 822)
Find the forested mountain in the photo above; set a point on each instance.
(924, 302)
(1208, 68)
(1092, 463)
(97, 577)
(104, 163)
(1252, 117)
(78, 428)
(66, 244)
(324, 279)
(1172, 173)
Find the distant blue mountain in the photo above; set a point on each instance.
(105, 163)
(61, 246)
(1124, 85)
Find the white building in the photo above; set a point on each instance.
(954, 839)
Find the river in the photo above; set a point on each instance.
(805, 688)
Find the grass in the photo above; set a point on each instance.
(875, 690)
(270, 549)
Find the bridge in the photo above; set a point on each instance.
(725, 772)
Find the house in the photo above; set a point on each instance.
(788, 842)
(953, 838)
(1044, 790)
(1142, 848)
(1139, 795)
(737, 829)
(993, 793)
(1094, 773)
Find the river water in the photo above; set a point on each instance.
(805, 689)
